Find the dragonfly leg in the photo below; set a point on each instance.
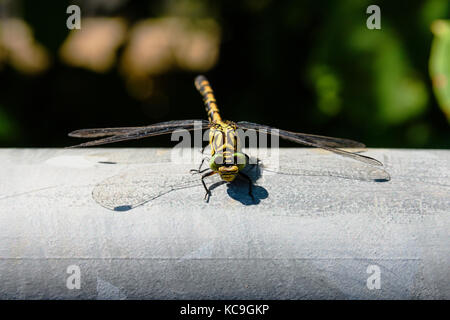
(208, 193)
(199, 168)
(199, 171)
(252, 166)
(250, 184)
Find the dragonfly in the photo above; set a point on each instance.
(227, 159)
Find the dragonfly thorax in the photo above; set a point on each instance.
(223, 138)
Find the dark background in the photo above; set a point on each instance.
(307, 66)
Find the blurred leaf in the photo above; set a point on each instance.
(94, 46)
(418, 134)
(8, 127)
(18, 45)
(327, 86)
(433, 10)
(400, 94)
(440, 64)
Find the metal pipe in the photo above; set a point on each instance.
(132, 224)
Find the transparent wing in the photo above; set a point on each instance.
(327, 143)
(130, 133)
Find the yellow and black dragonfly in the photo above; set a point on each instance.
(227, 159)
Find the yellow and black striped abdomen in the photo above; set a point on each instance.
(203, 86)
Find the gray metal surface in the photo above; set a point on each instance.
(135, 225)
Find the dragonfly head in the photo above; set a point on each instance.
(228, 171)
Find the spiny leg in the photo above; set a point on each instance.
(199, 171)
(257, 164)
(199, 168)
(252, 166)
(250, 184)
(208, 193)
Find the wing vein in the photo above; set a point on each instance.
(130, 133)
(323, 142)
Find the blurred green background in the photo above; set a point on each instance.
(308, 66)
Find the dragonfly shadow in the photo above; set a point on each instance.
(131, 189)
(238, 190)
(147, 198)
(107, 162)
(346, 170)
(351, 176)
(134, 188)
(123, 208)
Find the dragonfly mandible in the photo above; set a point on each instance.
(227, 160)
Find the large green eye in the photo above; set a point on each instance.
(215, 162)
(241, 160)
